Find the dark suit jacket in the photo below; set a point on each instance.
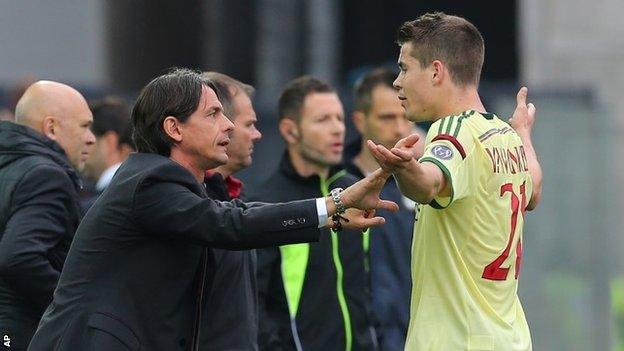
(231, 303)
(133, 278)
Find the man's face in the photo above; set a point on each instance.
(385, 123)
(96, 163)
(321, 129)
(245, 134)
(73, 133)
(205, 134)
(415, 87)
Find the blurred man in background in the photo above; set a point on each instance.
(379, 116)
(113, 143)
(312, 296)
(231, 302)
(39, 207)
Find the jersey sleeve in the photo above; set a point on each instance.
(448, 144)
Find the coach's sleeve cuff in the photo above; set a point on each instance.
(321, 210)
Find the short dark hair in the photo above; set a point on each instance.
(112, 114)
(228, 88)
(176, 93)
(450, 39)
(293, 96)
(363, 91)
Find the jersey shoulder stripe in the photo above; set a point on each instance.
(451, 125)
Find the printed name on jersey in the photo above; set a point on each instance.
(507, 160)
(442, 152)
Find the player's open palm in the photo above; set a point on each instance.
(403, 152)
(406, 148)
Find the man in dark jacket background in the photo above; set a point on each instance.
(312, 296)
(231, 303)
(39, 206)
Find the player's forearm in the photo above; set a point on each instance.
(420, 181)
(535, 170)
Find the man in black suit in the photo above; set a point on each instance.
(134, 278)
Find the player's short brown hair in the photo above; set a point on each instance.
(450, 39)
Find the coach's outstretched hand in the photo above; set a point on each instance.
(362, 199)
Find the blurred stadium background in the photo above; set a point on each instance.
(570, 54)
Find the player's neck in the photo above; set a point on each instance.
(460, 100)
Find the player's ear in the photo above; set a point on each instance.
(437, 71)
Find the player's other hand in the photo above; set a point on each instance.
(399, 157)
(524, 116)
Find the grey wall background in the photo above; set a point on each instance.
(61, 39)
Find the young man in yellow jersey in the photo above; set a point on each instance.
(477, 177)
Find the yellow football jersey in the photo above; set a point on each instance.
(467, 248)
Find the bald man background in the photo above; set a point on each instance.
(40, 155)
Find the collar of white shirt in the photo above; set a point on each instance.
(106, 177)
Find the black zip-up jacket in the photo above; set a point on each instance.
(323, 285)
(39, 213)
(231, 299)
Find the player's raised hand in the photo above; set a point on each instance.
(524, 115)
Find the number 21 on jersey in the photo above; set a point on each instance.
(494, 271)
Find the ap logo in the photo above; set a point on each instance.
(7, 340)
